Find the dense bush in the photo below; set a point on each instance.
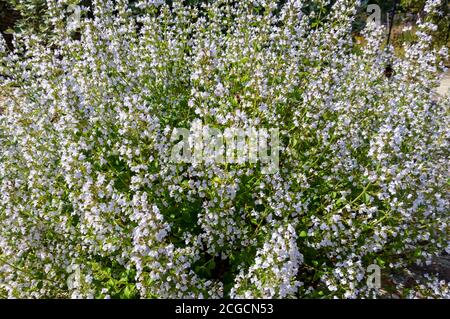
(32, 15)
(92, 206)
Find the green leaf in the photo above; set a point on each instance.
(366, 198)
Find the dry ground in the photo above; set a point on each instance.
(445, 84)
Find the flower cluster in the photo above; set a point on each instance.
(87, 184)
(275, 269)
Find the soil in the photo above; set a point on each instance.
(445, 84)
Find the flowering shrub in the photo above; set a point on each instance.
(92, 206)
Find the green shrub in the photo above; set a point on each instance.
(91, 204)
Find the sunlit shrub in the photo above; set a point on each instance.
(92, 206)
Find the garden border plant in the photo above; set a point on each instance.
(92, 206)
